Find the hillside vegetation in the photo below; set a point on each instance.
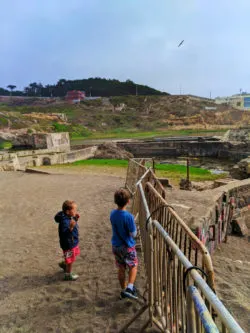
(118, 115)
(92, 86)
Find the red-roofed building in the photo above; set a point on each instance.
(75, 96)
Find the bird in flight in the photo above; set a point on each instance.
(181, 43)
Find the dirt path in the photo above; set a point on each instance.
(232, 271)
(33, 295)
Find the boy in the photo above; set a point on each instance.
(68, 236)
(123, 243)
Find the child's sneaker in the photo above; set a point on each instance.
(70, 277)
(129, 293)
(62, 265)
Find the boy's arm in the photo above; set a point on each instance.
(72, 224)
(132, 227)
(133, 234)
(68, 224)
(73, 221)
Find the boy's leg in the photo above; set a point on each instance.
(122, 276)
(68, 268)
(69, 259)
(132, 274)
(132, 263)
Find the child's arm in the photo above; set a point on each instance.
(73, 222)
(72, 225)
(132, 227)
(133, 234)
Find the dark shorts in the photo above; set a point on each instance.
(125, 256)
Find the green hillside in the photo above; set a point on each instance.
(120, 116)
(92, 87)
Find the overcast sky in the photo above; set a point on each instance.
(44, 41)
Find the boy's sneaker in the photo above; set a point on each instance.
(62, 265)
(129, 293)
(71, 277)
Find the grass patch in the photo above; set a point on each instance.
(101, 162)
(5, 145)
(175, 172)
(75, 131)
(134, 134)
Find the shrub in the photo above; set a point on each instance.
(5, 145)
(74, 130)
(3, 122)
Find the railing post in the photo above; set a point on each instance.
(202, 311)
(191, 322)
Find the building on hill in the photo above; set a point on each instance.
(241, 102)
(75, 96)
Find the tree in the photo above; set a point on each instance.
(11, 87)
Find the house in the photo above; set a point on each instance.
(75, 96)
(238, 101)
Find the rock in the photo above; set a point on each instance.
(202, 186)
(7, 136)
(241, 170)
(185, 184)
(111, 150)
(237, 135)
(165, 182)
(239, 226)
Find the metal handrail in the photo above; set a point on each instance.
(171, 251)
(216, 304)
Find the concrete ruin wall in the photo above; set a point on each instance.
(53, 141)
(31, 158)
(178, 147)
(211, 228)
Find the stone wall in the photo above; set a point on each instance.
(9, 162)
(53, 141)
(32, 158)
(58, 140)
(212, 227)
(187, 147)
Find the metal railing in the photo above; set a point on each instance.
(178, 267)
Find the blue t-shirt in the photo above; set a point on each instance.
(122, 225)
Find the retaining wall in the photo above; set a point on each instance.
(58, 141)
(31, 158)
(212, 227)
(180, 147)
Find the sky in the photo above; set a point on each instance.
(44, 41)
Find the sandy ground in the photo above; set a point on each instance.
(33, 295)
(232, 271)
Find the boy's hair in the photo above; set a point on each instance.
(67, 205)
(121, 197)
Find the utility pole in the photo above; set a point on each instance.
(136, 90)
(210, 94)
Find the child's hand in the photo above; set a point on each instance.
(72, 225)
(77, 216)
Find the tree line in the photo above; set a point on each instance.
(92, 87)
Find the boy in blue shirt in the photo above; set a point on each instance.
(68, 237)
(123, 243)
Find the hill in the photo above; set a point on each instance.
(92, 86)
(119, 114)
